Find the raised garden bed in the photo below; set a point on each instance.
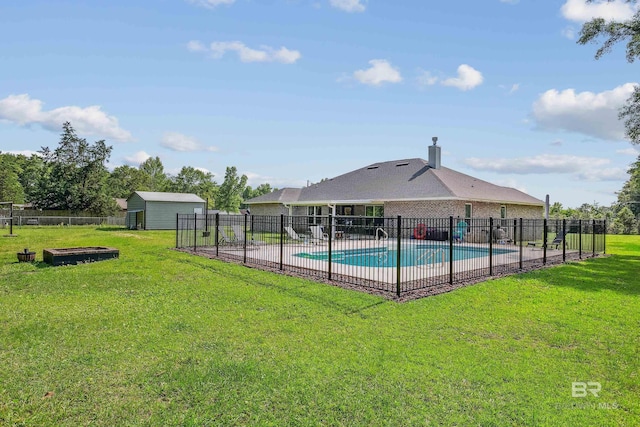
(70, 256)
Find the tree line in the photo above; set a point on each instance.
(74, 177)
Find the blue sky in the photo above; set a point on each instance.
(291, 91)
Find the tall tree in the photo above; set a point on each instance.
(230, 192)
(10, 188)
(124, 180)
(629, 196)
(33, 169)
(614, 32)
(155, 169)
(77, 175)
(192, 180)
(250, 193)
(625, 222)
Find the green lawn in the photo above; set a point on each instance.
(160, 337)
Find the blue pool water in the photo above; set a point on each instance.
(410, 255)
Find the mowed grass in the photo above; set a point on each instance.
(159, 337)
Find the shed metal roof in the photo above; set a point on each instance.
(153, 196)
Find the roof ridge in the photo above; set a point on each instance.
(442, 182)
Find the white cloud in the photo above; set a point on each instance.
(568, 32)
(196, 46)
(348, 5)
(381, 71)
(136, 159)
(629, 152)
(27, 153)
(468, 78)
(514, 88)
(592, 114)
(580, 168)
(178, 142)
(425, 78)
(210, 4)
(246, 54)
(205, 170)
(24, 111)
(605, 174)
(255, 179)
(511, 183)
(581, 11)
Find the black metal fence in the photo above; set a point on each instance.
(396, 255)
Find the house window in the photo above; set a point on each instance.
(374, 215)
(374, 211)
(343, 210)
(314, 213)
(503, 211)
(468, 211)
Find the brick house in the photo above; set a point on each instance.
(412, 188)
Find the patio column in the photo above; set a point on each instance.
(332, 224)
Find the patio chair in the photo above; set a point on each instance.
(317, 233)
(223, 237)
(559, 239)
(241, 236)
(460, 232)
(292, 234)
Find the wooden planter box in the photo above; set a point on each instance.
(71, 256)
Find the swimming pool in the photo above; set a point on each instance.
(410, 255)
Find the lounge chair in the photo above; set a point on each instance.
(292, 233)
(241, 236)
(223, 237)
(317, 233)
(238, 233)
(559, 239)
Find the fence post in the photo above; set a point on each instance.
(521, 240)
(399, 256)
(244, 242)
(195, 232)
(177, 226)
(604, 238)
(580, 238)
(593, 237)
(216, 232)
(490, 246)
(544, 242)
(451, 250)
(564, 239)
(281, 240)
(11, 219)
(515, 230)
(330, 239)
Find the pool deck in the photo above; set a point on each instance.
(257, 253)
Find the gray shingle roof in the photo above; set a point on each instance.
(409, 179)
(284, 195)
(152, 196)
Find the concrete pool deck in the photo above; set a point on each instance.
(270, 254)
